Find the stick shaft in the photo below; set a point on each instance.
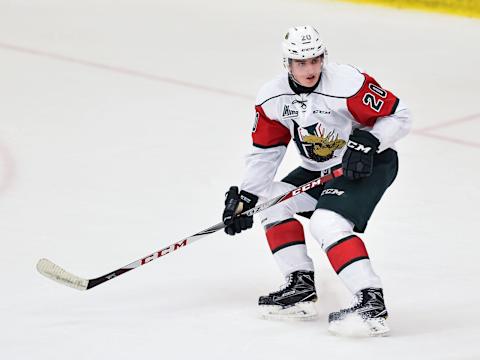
(56, 273)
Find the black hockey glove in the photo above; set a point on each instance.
(235, 224)
(357, 161)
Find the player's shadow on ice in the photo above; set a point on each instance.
(237, 295)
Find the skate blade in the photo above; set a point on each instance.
(300, 311)
(355, 326)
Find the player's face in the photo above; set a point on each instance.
(307, 72)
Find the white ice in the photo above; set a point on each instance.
(122, 123)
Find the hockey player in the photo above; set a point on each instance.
(337, 116)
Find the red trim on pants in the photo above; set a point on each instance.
(345, 252)
(287, 233)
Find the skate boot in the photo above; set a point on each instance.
(295, 300)
(366, 316)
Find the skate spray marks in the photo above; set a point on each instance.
(355, 326)
(428, 131)
(7, 169)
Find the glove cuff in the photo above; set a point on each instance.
(249, 200)
(363, 137)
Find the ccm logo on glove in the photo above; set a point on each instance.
(358, 147)
(357, 162)
(235, 203)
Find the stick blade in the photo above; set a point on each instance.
(56, 273)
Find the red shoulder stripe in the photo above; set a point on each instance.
(267, 132)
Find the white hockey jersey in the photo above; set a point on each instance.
(319, 123)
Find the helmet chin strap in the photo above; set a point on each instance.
(290, 74)
(286, 64)
(293, 78)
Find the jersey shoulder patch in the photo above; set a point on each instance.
(371, 102)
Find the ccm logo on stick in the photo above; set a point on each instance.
(164, 251)
(307, 187)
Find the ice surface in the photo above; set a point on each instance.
(123, 123)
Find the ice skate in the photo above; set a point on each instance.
(366, 316)
(294, 301)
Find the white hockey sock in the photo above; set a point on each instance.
(287, 242)
(293, 258)
(349, 259)
(345, 250)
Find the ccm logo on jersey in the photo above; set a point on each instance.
(321, 112)
(332, 192)
(358, 147)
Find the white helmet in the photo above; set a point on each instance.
(302, 42)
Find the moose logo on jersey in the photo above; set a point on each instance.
(315, 143)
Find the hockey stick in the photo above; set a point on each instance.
(56, 273)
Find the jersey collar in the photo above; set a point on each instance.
(299, 89)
